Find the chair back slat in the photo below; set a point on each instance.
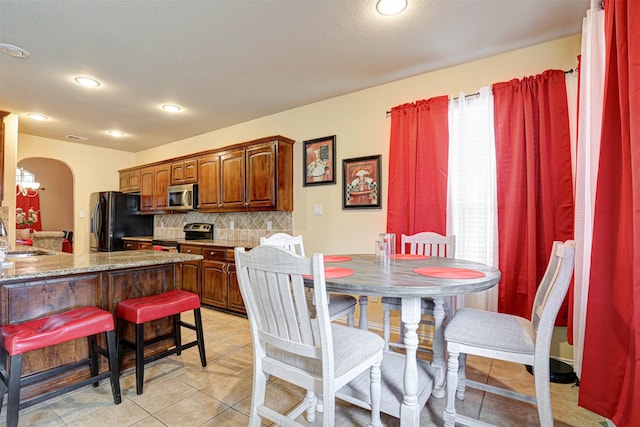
(291, 243)
(272, 286)
(552, 291)
(428, 243)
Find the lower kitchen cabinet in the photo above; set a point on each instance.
(216, 279)
(236, 303)
(133, 245)
(188, 274)
(214, 284)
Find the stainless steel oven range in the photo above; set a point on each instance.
(192, 231)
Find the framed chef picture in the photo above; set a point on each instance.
(319, 158)
(361, 182)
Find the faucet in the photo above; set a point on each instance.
(3, 229)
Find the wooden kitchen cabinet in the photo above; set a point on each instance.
(236, 303)
(219, 283)
(184, 171)
(251, 176)
(232, 173)
(188, 274)
(254, 176)
(260, 182)
(130, 181)
(162, 177)
(135, 245)
(209, 182)
(154, 181)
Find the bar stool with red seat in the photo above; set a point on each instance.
(145, 309)
(17, 339)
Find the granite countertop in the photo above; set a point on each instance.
(61, 263)
(139, 238)
(219, 242)
(203, 242)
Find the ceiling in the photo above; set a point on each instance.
(230, 61)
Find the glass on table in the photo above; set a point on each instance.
(385, 249)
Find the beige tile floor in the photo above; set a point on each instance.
(179, 392)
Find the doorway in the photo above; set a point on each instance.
(55, 192)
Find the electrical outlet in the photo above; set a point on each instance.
(374, 299)
(231, 225)
(317, 209)
(269, 225)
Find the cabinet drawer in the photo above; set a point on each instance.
(215, 253)
(144, 246)
(190, 249)
(129, 245)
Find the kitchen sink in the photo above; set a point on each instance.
(25, 254)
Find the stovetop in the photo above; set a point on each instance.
(192, 231)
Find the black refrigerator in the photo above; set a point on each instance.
(114, 215)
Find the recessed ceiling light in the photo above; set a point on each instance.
(12, 50)
(87, 81)
(36, 116)
(116, 133)
(391, 7)
(171, 108)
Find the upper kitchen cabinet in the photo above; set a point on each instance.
(250, 176)
(154, 181)
(184, 171)
(253, 176)
(232, 172)
(209, 182)
(130, 180)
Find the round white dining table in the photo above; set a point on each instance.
(408, 381)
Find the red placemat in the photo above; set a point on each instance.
(337, 258)
(449, 272)
(334, 272)
(410, 256)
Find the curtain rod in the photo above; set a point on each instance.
(471, 95)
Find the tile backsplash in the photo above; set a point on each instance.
(247, 226)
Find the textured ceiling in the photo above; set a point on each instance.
(229, 61)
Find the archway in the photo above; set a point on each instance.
(56, 192)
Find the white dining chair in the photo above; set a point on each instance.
(510, 338)
(339, 304)
(425, 243)
(294, 339)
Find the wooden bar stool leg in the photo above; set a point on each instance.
(113, 364)
(139, 357)
(13, 394)
(119, 338)
(200, 336)
(93, 357)
(177, 333)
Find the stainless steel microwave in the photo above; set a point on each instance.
(183, 197)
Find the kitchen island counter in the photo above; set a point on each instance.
(37, 286)
(61, 264)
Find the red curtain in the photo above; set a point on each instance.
(610, 383)
(535, 190)
(418, 165)
(29, 205)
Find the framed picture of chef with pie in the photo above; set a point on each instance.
(361, 182)
(319, 158)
